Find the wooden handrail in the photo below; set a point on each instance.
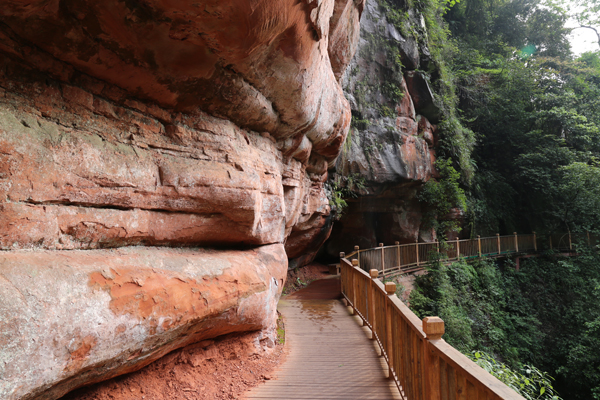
(403, 258)
(422, 364)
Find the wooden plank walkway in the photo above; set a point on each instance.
(329, 355)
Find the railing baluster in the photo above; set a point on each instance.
(353, 283)
(498, 238)
(570, 244)
(382, 260)
(390, 290)
(372, 311)
(417, 250)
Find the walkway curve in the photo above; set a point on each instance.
(329, 355)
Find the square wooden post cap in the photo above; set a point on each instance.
(433, 327)
(356, 248)
(342, 254)
(374, 273)
(355, 263)
(390, 288)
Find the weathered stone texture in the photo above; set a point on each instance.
(76, 317)
(390, 151)
(96, 167)
(166, 124)
(263, 65)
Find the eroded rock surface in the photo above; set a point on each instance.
(263, 65)
(107, 313)
(168, 124)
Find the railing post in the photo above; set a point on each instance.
(434, 329)
(390, 289)
(398, 256)
(588, 237)
(417, 250)
(356, 248)
(498, 239)
(373, 320)
(570, 245)
(339, 266)
(457, 248)
(382, 260)
(353, 282)
(516, 242)
(479, 244)
(534, 242)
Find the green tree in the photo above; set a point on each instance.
(546, 314)
(530, 382)
(442, 196)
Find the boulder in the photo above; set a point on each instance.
(94, 173)
(387, 157)
(344, 31)
(71, 318)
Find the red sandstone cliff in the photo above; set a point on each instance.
(204, 124)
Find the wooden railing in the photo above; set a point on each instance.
(404, 258)
(423, 366)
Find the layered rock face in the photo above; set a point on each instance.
(167, 124)
(390, 151)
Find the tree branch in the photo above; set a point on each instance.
(592, 28)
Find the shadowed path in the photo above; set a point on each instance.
(329, 354)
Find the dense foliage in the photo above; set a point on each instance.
(530, 382)
(547, 314)
(534, 110)
(442, 196)
(536, 113)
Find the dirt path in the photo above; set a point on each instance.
(328, 355)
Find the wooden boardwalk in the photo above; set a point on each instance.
(329, 355)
